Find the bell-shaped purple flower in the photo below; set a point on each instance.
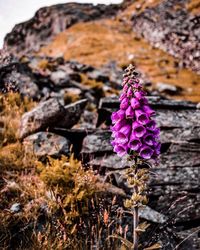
(157, 146)
(146, 152)
(118, 125)
(124, 103)
(135, 103)
(130, 113)
(122, 96)
(156, 132)
(123, 134)
(138, 129)
(149, 111)
(134, 142)
(115, 117)
(129, 92)
(121, 114)
(149, 139)
(151, 125)
(141, 117)
(139, 95)
(120, 150)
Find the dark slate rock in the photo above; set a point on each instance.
(72, 114)
(60, 78)
(44, 115)
(168, 88)
(98, 75)
(49, 21)
(46, 143)
(99, 142)
(176, 31)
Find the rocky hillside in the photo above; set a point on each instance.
(163, 47)
(66, 63)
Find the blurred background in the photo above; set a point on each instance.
(14, 12)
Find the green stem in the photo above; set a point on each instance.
(135, 215)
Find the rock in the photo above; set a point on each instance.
(49, 21)
(88, 120)
(110, 162)
(98, 142)
(44, 115)
(72, 114)
(72, 95)
(30, 89)
(152, 215)
(168, 88)
(60, 78)
(176, 31)
(46, 143)
(98, 75)
(191, 234)
(16, 208)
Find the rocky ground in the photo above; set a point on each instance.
(69, 60)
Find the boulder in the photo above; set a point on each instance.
(60, 78)
(44, 115)
(72, 114)
(168, 88)
(46, 143)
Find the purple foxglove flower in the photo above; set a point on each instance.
(125, 130)
(120, 150)
(149, 139)
(137, 86)
(151, 125)
(144, 101)
(135, 103)
(134, 142)
(133, 128)
(130, 113)
(146, 152)
(131, 81)
(122, 96)
(139, 95)
(157, 146)
(137, 80)
(113, 143)
(129, 92)
(138, 129)
(124, 103)
(121, 113)
(125, 88)
(148, 110)
(118, 125)
(141, 116)
(122, 136)
(156, 132)
(115, 117)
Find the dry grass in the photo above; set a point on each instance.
(193, 6)
(116, 41)
(54, 196)
(12, 106)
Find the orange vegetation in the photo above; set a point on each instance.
(99, 42)
(194, 6)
